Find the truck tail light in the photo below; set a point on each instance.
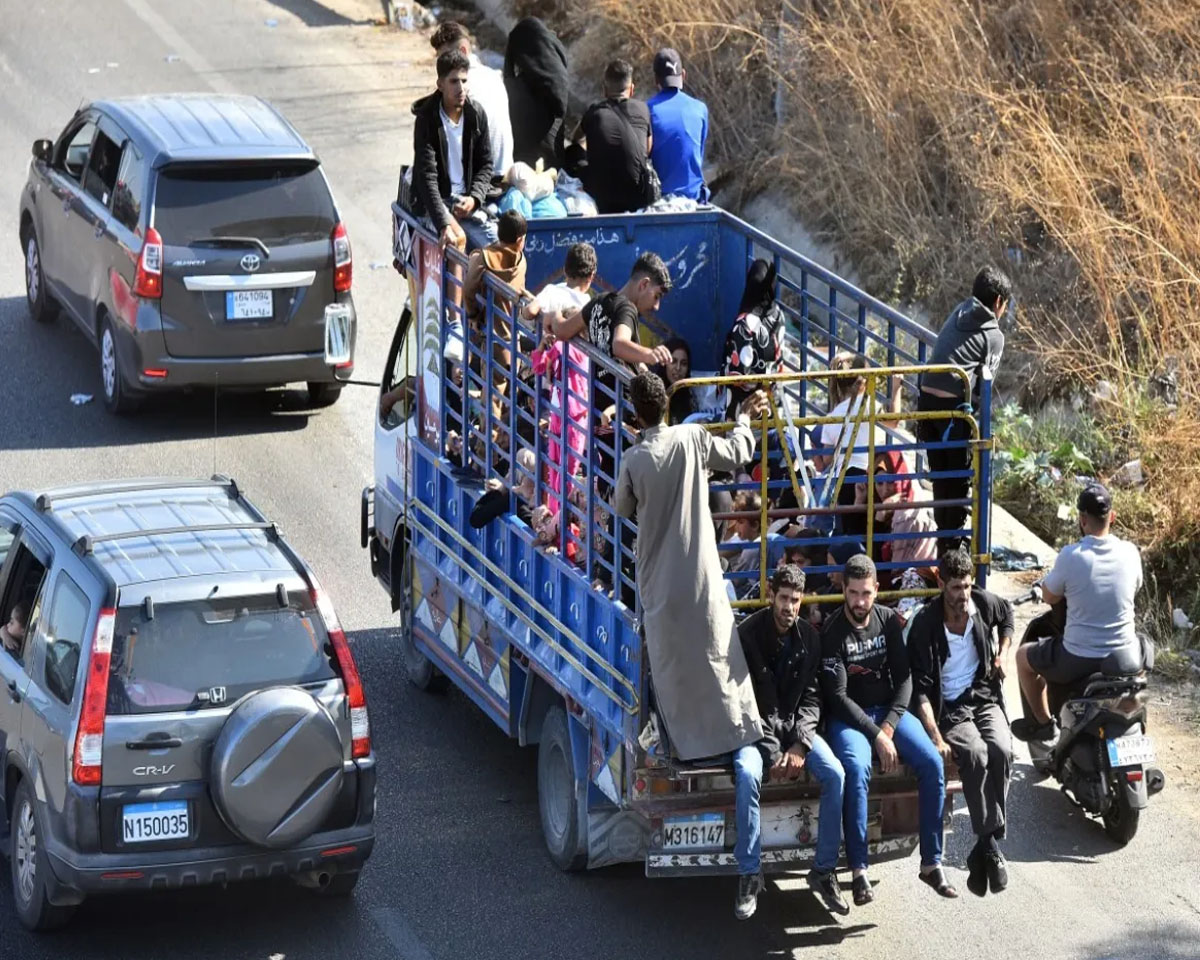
(148, 282)
(89, 739)
(343, 259)
(360, 721)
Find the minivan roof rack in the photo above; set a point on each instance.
(86, 544)
(46, 501)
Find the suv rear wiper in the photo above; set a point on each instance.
(233, 242)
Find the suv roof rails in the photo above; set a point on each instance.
(85, 545)
(45, 502)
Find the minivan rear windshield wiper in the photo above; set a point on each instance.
(232, 242)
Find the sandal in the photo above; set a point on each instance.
(937, 879)
(861, 888)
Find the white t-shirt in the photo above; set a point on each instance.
(560, 297)
(454, 154)
(1099, 577)
(487, 89)
(831, 431)
(958, 672)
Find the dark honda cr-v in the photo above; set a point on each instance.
(195, 240)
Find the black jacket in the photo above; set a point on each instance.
(928, 648)
(971, 338)
(539, 87)
(789, 698)
(431, 177)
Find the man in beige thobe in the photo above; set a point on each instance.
(701, 683)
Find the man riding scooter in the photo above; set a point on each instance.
(1098, 578)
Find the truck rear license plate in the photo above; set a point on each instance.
(1130, 751)
(150, 822)
(249, 305)
(701, 831)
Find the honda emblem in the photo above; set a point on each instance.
(251, 262)
(216, 695)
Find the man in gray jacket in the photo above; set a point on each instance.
(970, 338)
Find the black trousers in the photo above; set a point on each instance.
(954, 458)
(982, 747)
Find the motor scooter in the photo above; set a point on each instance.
(1103, 755)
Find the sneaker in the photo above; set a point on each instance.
(1029, 730)
(997, 871)
(861, 889)
(825, 886)
(750, 885)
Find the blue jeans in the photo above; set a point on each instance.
(917, 750)
(478, 234)
(748, 775)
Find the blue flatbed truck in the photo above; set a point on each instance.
(546, 642)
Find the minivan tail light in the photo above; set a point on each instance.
(148, 281)
(89, 739)
(343, 260)
(356, 698)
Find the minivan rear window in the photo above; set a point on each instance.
(280, 202)
(209, 653)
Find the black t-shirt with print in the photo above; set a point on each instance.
(866, 667)
(602, 315)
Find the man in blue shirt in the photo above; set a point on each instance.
(679, 124)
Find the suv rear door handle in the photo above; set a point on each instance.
(154, 743)
(13, 693)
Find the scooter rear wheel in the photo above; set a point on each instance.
(1121, 820)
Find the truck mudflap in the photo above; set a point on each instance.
(785, 860)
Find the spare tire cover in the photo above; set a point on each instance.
(276, 767)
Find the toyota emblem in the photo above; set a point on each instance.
(251, 262)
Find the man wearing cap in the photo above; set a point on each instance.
(679, 124)
(1098, 577)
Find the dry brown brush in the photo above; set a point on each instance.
(924, 137)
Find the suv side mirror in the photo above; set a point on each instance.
(42, 150)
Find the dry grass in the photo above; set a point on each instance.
(925, 137)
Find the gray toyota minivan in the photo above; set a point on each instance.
(195, 240)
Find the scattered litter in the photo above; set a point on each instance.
(112, 64)
(1180, 620)
(79, 399)
(1006, 558)
(379, 265)
(93, 69)
(172, 58)
(1064, 512)
(272, 22)
(1130, 475)
(1104, 392)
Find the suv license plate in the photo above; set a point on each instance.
(703, 831)
(151, 822)
(249, 305)
(1130, 751)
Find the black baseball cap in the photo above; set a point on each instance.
(1095, 501)
(668, 67)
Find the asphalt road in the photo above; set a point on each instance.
(459, 869)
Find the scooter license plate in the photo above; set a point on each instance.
(1130, 751)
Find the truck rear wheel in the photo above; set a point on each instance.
(558, 798)
(419, 669)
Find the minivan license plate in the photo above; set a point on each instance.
(249, 305)
(703, 831)
(150, 822)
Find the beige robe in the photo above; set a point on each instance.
(701, 682)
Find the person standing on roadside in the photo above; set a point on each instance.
(957, 643)
(487, 90)
(783, 653)
(679, 126)
(972, 339)
(867, 682)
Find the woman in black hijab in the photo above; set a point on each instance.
(754, 345)
(535, 76)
